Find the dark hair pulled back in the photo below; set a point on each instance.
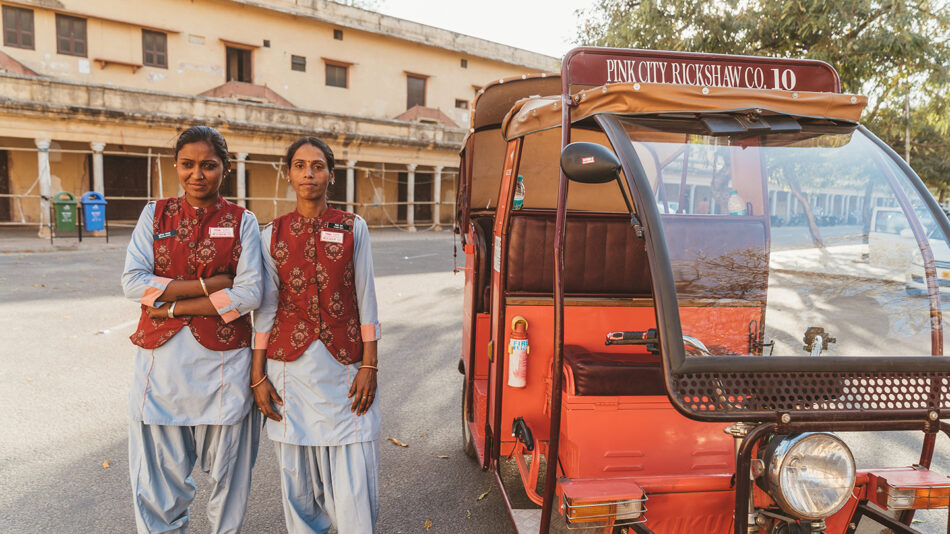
(208, 135)
(319, 143)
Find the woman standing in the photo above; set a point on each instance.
(314, 368)
(194, 263)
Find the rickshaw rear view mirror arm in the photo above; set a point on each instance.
(589, 163)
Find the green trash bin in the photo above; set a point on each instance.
(65, 212)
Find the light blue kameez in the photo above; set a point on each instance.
(190, 405)
(328, 455)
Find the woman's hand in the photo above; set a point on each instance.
(218, 282)
(363, 390)
(264, 396)
(157, 313)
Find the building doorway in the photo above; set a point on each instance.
(336, 193)
(125, 176)
(422, 193)
(229, 189)
(5, 202)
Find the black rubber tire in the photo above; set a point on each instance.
(468, 440)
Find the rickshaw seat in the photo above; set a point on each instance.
(609, 374)
(603, 256)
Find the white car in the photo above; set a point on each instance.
(916, 281)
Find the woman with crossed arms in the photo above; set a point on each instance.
(314, 366)
(194, 263)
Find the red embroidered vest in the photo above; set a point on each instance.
(317, 296)
(184, 250)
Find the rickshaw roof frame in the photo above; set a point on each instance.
(676, 365)
(494, 100)
(532, 115)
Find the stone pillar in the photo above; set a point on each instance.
(692, 198)
(351, 185)
(42, 160)
(98, 179)
(241, 179)
(437, 197)
(773, 203)
(411, 197)
(788, 206)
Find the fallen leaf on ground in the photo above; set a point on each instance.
(422, 435)
(105, 464)
(428, 525)
(397, 442)
(483, 495)
(443, 457)
(468, 514)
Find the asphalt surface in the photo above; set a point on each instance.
(65, 369)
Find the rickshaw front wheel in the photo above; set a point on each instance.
(468, 441)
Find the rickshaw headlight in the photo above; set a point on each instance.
(811, 475)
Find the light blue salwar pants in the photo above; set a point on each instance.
(161, 459)
(324, 486)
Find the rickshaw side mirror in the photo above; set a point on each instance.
(589, 163)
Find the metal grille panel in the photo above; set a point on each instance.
(738, 394)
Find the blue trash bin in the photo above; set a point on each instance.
(94, 211)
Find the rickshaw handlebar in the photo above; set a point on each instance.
(632, 337)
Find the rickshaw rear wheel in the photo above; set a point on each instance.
(468, 441)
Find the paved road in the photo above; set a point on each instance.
(65, 367)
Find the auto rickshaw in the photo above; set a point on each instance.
(669, 304)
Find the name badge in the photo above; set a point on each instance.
(220, 232)
(331, 237)
(166, 235)
(339, 226)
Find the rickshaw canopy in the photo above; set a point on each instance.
(535, 114)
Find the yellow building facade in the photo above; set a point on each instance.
(94, 95)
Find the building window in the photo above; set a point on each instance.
(461, 104)
(416, 91)
(239, 65)
(336, 75)
(266, 43)
(18, 27)
(464, 63)
(154, 49)
(338, 35)
(70, 35)
(298, 63)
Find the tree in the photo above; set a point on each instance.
(886, 49)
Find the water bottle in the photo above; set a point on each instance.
(735, 204)
(519, 194)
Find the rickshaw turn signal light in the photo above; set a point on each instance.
(913, 488)
(615, 501)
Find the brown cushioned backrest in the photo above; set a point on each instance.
(602, 257)
(613, 374)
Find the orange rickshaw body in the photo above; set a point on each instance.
(630, 453)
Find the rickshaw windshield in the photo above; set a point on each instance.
(778, 238)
